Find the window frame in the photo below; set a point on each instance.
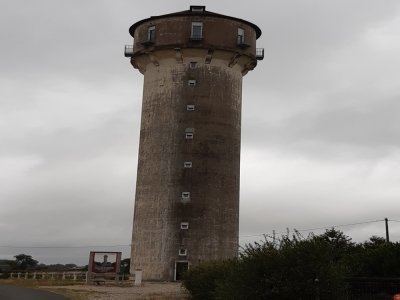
(182, 252)
(240, 36)
(151, 33)
(187, 164)
(195, 27)
(184, 225)
(193, 64)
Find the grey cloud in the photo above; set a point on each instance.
(319, 119)
(371, 130)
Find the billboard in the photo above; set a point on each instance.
(104, 262)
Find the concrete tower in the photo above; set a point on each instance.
(187, 190)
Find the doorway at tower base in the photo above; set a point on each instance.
(181, 267)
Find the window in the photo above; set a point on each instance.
(187, 164)
(151, 33)
(190, 107)
(184, 225)
(185, 198)
(197, 31)
(182, 252)
(240, 37)
(189, 133)
(192, 82)
(192, 64)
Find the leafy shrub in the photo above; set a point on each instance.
(202, 280)
(288, 268)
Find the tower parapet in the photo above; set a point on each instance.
(187, 190)
(195, 33)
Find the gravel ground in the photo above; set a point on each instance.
(148, 291)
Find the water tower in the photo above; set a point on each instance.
(187, 190)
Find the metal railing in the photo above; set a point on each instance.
(260, 53)
(128, 51)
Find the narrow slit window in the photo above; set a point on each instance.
(182, 252)
(184, 225)
(151, 33)
(190, 107)
(185, 195)
(193, 64)
(187, 164)
(192, 82)
(240, 38)
(197, 31)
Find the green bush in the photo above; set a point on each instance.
(291, 268)
(202, 281)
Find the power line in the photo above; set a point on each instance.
(241, 236)
(320, 228)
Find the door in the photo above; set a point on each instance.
(180, 268)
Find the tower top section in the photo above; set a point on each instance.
(194, 11)
(194, 35)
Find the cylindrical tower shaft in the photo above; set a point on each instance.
(187, 191)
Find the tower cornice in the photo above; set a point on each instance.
(192, 13)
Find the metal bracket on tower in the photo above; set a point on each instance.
(209, 56)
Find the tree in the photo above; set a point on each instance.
(376, 258)
(23, 261)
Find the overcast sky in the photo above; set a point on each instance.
(320, 121)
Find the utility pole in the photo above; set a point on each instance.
(387, 229)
